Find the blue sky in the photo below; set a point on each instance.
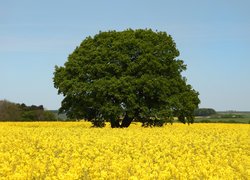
(212, 36)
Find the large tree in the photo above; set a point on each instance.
(125, 76)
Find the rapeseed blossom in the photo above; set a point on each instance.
(73, 150)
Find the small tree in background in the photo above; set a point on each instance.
(9, 111)
(204, 112)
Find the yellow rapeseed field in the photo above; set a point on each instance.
(73, 150)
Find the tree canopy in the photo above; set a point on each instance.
(124, 76)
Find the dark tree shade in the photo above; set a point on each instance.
(125, 76)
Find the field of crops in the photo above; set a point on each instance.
(73, 150)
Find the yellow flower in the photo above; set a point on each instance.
(73, 150)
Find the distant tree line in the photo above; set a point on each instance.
(10, 111)
(204, 112)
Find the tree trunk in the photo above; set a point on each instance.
(181, 118)
(114, 123)
(126, 121)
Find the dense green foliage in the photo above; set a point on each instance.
(20, 112)
(126, 76)
(204, 112)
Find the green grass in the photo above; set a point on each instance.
(226, 117)
(223, 120)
